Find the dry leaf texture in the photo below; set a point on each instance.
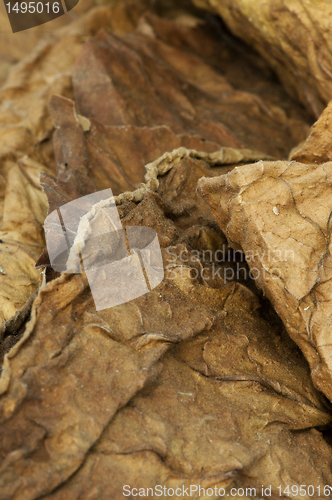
(185, 385)
(196, 382)
(294, 38)
(278, 214)
(174, 86)
(25, 152)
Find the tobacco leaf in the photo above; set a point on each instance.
(25, 148)
(22, 236)
(120, 396)
(116, 155)
(317, 147)
(13, 48)
(293, 39)
(171, 47)
(243, 68)
(25, 41)
(278, 214)
(111, 156)
(174, 87)
(188, 384)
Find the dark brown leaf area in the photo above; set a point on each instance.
(187, 383)
(147, 80)
(196, 382)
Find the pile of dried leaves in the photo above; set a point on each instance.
(294, 38)
(213, 378)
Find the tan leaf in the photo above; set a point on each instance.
(25, 149)
(184, 385)
(293, 37)
(278, 214)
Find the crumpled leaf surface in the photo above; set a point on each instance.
(13, 49)
(113, 142)
(278, 214)
(196, 382)
(111, 155)
(195, 392)
(317, 147)
(174, 86)
(292, 36)
(25, 152)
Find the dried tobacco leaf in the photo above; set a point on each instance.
(116, 155)
(22, 236)
(25, 124)
(175, 87)
(180, 386)
(187, 384)
(317, 148)
(25, 151)
(292, 36)
(25, 41)
(278, 214)
(109, 155)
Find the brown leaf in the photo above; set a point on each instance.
(117, 155)
(25, 151)
(22, 236)
(317, 148)
(195, 382)
(278, 214)
(292, 38)
(173, 87)
(120, 396)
